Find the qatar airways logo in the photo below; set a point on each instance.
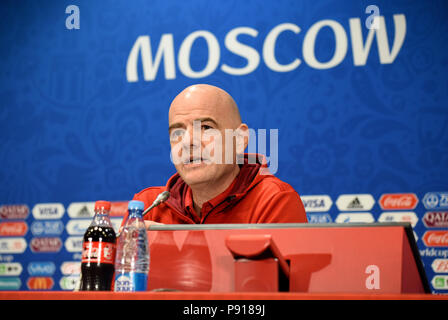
(344, 40)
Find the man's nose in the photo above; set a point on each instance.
(192, 138)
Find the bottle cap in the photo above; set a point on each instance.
(135, 204)
(101, 204)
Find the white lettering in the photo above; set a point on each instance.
(361, 51)
(373, 280)
(150, 67)
(269, 48)
(340, 42)
(247, 52)
(213, 54)
(72, 21)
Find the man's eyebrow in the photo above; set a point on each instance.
(180, 125)
(174, 126)
(207, 119)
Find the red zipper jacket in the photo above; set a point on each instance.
(251, 198)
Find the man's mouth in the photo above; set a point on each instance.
(195, 161)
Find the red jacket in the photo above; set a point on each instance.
(251, 198)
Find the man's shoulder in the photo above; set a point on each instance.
(270, 184)
(149, 193)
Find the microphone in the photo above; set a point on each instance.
(162, 197)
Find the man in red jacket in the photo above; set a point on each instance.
(215, 181)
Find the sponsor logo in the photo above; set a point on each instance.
(12, 245)
(36, 268)
(436, 238)
(410, 217)
(47, 228)
(81, 210)
(436, 219)
(78, 227)
(14, 211)
(440, 265)
(358, 217)
(398, 201)
(40, 283)
(440, 282)
(319, 218)
(318, 203)
(118, 208)
(74, 244)
(8, 229)
(70, 268)
(10, 284)
(69, 283)
(10, 269)
(98, 252)
(46, 244)
(435, 200)
(355, 202)
(48, 211)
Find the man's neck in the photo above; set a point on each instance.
(203, 193)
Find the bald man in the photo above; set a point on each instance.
(215, 181)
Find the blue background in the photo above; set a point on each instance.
(73, 129)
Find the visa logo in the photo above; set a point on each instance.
(48, 211)
(317, 203)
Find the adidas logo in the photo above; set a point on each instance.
(84, 212)
(355, 204)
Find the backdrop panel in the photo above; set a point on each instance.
(358, 105)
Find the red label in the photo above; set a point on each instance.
(118, 209)
(98, 252)
(398, 201)
(436, 219)
(14, 211)
(13, 228)
(436, 238)
(46, 244)
(40, 283)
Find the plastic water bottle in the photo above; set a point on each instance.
(132, 256)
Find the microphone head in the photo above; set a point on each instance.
(163, 196)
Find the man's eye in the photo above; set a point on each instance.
(206, 127)
(177, 133)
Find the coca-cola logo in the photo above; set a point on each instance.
(46, 244)
(398, 201)
(14, 211)
(436, 238)
(13, 228)
(437, 219)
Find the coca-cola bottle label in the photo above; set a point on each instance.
(98, 252)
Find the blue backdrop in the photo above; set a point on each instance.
(81, 119)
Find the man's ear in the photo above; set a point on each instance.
(242, 138)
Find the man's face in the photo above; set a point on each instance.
(198, 120)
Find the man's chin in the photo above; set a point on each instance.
(195, 175)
